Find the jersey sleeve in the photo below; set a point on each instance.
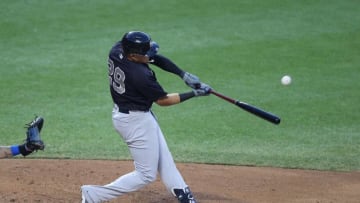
(149, 87)
(167, 65)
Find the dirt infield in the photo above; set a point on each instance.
(46, 180)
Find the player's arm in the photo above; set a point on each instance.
(175, 98)
(169, 99)
(5, 152)
(166, 64)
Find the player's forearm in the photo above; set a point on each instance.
(175, 98)
(169, 99)
(167, 65)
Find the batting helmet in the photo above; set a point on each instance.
(136, 42)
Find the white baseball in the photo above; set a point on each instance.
(286, 80)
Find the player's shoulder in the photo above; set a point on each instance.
(116, 48)
(116, 53)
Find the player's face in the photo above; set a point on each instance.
(138, 58)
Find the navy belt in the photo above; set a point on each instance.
(127, 111)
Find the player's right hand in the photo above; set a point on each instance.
(203, 90)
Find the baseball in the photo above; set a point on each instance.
(286, 80)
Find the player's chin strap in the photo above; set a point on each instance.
(183, 195)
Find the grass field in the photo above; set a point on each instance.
(54, 64)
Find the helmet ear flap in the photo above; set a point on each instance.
(154, 48)
(136, 42)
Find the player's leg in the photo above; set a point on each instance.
(144, 149)
(170, 175)
(138, 130)
(168, 171)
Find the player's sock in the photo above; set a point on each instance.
(15, 150)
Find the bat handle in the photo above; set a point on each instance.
(223, 96)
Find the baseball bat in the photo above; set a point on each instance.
(250, 108)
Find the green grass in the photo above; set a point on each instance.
(53, 63)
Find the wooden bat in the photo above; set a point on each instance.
(249, 108)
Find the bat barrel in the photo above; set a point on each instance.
(249, 108)
(259, 112)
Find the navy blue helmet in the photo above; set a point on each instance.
(136, 42)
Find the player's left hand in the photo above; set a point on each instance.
(191, 80)
(33, 140)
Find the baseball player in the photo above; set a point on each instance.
(32, 143)
(134, 88)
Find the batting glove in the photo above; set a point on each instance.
(191, 80)
(203, 90)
